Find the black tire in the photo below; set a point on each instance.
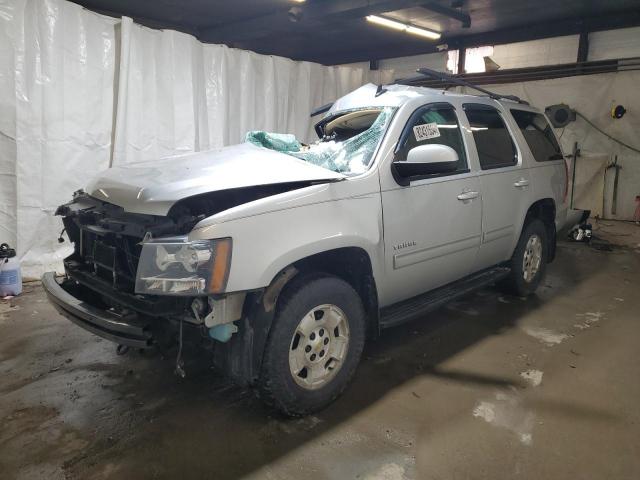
(515, 283)
(277, 386)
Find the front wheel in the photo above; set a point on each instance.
(314, 345)
(529, 261)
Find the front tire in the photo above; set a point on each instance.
(314, 345)
(529, 261)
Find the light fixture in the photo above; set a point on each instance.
(403, 27)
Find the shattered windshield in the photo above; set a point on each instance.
(347, 146)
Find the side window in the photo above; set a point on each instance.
(493, 141)
(433, 124)
(538, 135)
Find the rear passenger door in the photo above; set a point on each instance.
(504, 183)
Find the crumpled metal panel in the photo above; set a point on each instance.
(153, 187)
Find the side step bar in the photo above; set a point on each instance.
(419, 305)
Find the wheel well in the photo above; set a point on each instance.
(545, 210)
(353, 265)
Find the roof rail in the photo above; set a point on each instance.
(445, 77)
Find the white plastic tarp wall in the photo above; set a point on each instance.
(178, 95)
(57, 68)
(81, 91)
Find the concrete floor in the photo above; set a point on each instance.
(490, 387)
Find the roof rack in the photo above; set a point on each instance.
(445, 77)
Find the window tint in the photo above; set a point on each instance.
(433, 124)
(493, 141)
(538, 134)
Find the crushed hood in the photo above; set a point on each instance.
(153, 187)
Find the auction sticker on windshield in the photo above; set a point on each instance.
(426, 131)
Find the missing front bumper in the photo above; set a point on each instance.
(127, 329)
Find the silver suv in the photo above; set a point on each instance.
(287, 257)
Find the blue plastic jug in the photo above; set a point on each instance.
(10, 275)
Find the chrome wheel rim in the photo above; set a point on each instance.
(532, 258)
(319, 346)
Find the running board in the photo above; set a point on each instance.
(411, 308)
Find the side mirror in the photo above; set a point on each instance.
(428, 160)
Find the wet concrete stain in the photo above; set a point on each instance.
(436, 398)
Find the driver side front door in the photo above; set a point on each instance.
(432, 225)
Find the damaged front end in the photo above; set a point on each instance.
(136, 280)
(101, 272)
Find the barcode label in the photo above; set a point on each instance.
(426, 131)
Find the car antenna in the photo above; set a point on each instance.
(380, 90)
(444, 77)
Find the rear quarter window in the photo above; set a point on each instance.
(538, 135)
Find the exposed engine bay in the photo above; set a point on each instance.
(107, 245)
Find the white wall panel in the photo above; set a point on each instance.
(535, 53)
(404, 67)
(622, 43)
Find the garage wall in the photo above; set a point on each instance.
(404, 67)
(547, 51)
(622, 43)
(81, 91)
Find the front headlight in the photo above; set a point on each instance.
(176, 266)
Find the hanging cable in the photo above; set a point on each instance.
(606, 134)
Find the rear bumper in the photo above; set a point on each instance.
(128, 329)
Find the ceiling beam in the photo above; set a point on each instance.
(302, 16)
(462, 17)
(583, 47)
(500, 37)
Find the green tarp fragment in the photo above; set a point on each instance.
(280, 142)
(347, 156)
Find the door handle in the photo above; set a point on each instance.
(523, 182)
(469, 195)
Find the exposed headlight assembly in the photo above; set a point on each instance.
(176, 266)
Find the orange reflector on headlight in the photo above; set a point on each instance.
(221, 264)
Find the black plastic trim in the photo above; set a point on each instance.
(152, 305)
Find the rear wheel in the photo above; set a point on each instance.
(314, 345)
(529, 260)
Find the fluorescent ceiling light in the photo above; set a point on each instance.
(403, 27)
(385, 22)
(421, 32)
